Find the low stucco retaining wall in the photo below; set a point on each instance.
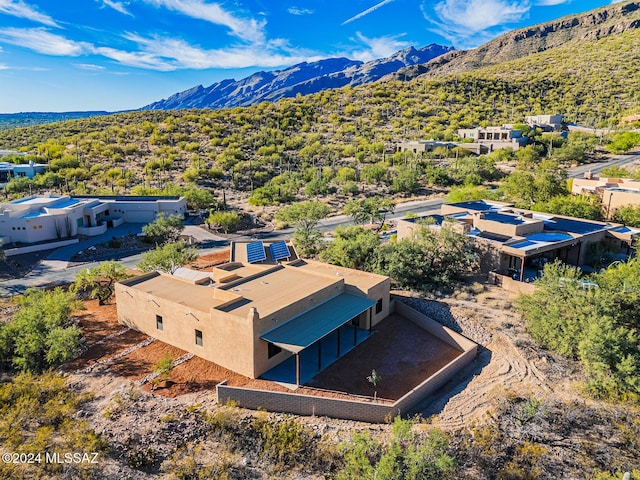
(364, 411)
(39, 248)
(510, 285)
(308, 405)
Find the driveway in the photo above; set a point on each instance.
(59, 259)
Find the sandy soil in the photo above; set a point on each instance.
(207, 262)
(400, 351)
(510, 363)
(507, 363)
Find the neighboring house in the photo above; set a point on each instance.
(547, 123)
(9, 171)
(512, 238)
(41, 218)
(493, 138)
(421, 146)
(613, 193)
(260, 309)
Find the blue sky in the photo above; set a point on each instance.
(64, 55)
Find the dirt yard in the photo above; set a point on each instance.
(507, 363)
(400, 351)
(206, 262)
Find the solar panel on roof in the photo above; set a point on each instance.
(255, 252)
(279, 250)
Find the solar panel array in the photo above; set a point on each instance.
(279, 250)
(255, 252)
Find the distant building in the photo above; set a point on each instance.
(40, 218)
(421, 146)
(629, 119)
(545, 122)
(512, 238)
(613, 193)
(493, 138)
(259, 311)
(9, 171)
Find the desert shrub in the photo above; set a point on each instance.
(42, 333)
(408, 455)
(38, 414)
(286, 442)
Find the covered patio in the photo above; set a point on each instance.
(319, 337)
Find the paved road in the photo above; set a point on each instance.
(55, 269)
(617, 160)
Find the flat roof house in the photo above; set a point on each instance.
(252, 315)
(518, 242)
(613, 193)
(493, 138)
(9, 171)
(42, 218)
(546, 122)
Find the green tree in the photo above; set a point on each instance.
(372, 209)
(615, 171)
(165, 228)
(198, 198)
(41, 333)
(305, 215)
(226, 221)
(571, 206)
(352, 247)
(168, 257)
(99, 282)
(406, 181)
(623, 142)
(596, 325)
(470, 192)
(629, 215)
(433, 260)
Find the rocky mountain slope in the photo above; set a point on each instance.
(593, 25)
(303, 78)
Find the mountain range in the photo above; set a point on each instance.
(303, 78)
(588, 26)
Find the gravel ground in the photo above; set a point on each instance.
(441, 312)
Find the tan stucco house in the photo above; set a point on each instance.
(256, 311)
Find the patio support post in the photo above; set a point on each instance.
(355, 335)
(297, 369)
(338, 342)
(522, 269)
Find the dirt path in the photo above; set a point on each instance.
(508, 364)
(506, 370)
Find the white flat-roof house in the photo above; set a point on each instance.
(41, 218)
(19, 170)
(493, 138)
(546, 122)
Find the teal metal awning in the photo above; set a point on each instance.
(309, 327)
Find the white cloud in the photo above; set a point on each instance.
(4, 67)
(367, 11)
(250, 30)
(377, 47)
(18, 8)
(41, 41)
(90, 66)
(547, 3)
(161, 54)
(299, 11)
(167, 54)
(117, 6)
(469, 23)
